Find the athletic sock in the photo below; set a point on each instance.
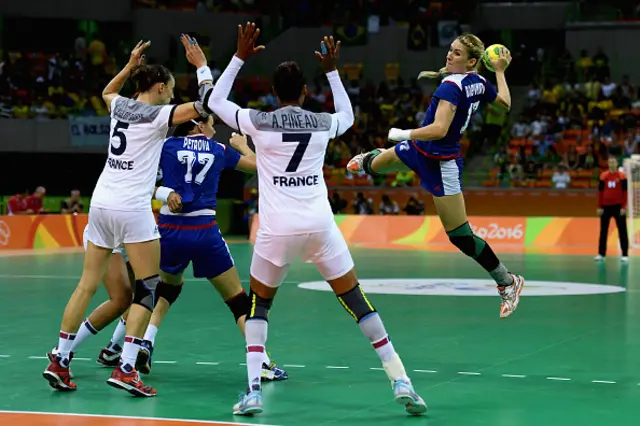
(117, 340)
(129, 353)
(86, 330)
(150, 334)
(256, 337)
(64, 347)
(372, 327)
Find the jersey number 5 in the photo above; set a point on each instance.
(189, 158)
(303, 142)
(117, 133)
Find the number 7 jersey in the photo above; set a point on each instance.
(290, 145)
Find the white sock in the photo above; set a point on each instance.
(266, 358)
(373, 328)
(150, 334)
(129, 353)
(86, 330)
(117, 340)
(256, 337)
(64, 347)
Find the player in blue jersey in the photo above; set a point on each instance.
(433, 153)
(191, 164)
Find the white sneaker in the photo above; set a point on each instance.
(624, 259)
(510, 296)
(598, 258)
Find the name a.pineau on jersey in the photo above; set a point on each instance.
(309, 180)
(294, 121)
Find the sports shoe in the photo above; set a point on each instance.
(108, 358)
(599, 258)
(273, 373)
(510, 296)
(405, 395)
(248, 404)
(59, 377)
(143, 362)
(130, 382)
(355, 164)
(54, 354)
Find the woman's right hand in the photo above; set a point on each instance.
(247, 38)
(193, 52)
(137, 58)
(501, 63)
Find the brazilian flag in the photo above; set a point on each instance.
(352, 34)
(417, 36)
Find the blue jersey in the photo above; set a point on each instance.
(192, 166)
(465, 92)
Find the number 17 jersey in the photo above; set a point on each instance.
(290, 148)
(192, 165)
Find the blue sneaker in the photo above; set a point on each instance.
(272, 373)
(249, 404)
(143, 362)
(405, 395)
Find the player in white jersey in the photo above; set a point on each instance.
(120, 213)
(295, 215)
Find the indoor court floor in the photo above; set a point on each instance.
(570, 354)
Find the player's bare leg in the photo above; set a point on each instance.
(145, 261)
(377, 162)
(452, 212)
(355, 302)
(117, 281)
(95, 266)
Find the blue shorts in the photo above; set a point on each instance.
(194, 239)
(439, 177)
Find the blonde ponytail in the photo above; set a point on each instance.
(433, 74)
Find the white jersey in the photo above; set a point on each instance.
(138, 131)
(290, 148)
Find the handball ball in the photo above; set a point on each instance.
(491, 53)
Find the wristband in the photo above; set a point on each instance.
(162, 193)
(204, 74)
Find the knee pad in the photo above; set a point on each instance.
(145, 294)
(468, 243)
(258, 307)
(368, 159)
(168, 292)
(239, 305)
(355, 302)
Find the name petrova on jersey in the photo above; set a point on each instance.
(474, 89)
(309, 180)
(118, 164)
(197, 144)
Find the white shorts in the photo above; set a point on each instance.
(272, 255)
(120, 251)
(112, 228)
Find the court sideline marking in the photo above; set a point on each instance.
(109, 416)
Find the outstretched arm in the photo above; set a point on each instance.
(217, 101)
(115, 85)
(328, 59)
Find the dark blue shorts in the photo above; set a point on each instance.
(194, 239)
(439, 177)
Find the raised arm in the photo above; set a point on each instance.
(196, 57)
(115, 85)
(328, 61)
(500, 64)
(217, 101)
